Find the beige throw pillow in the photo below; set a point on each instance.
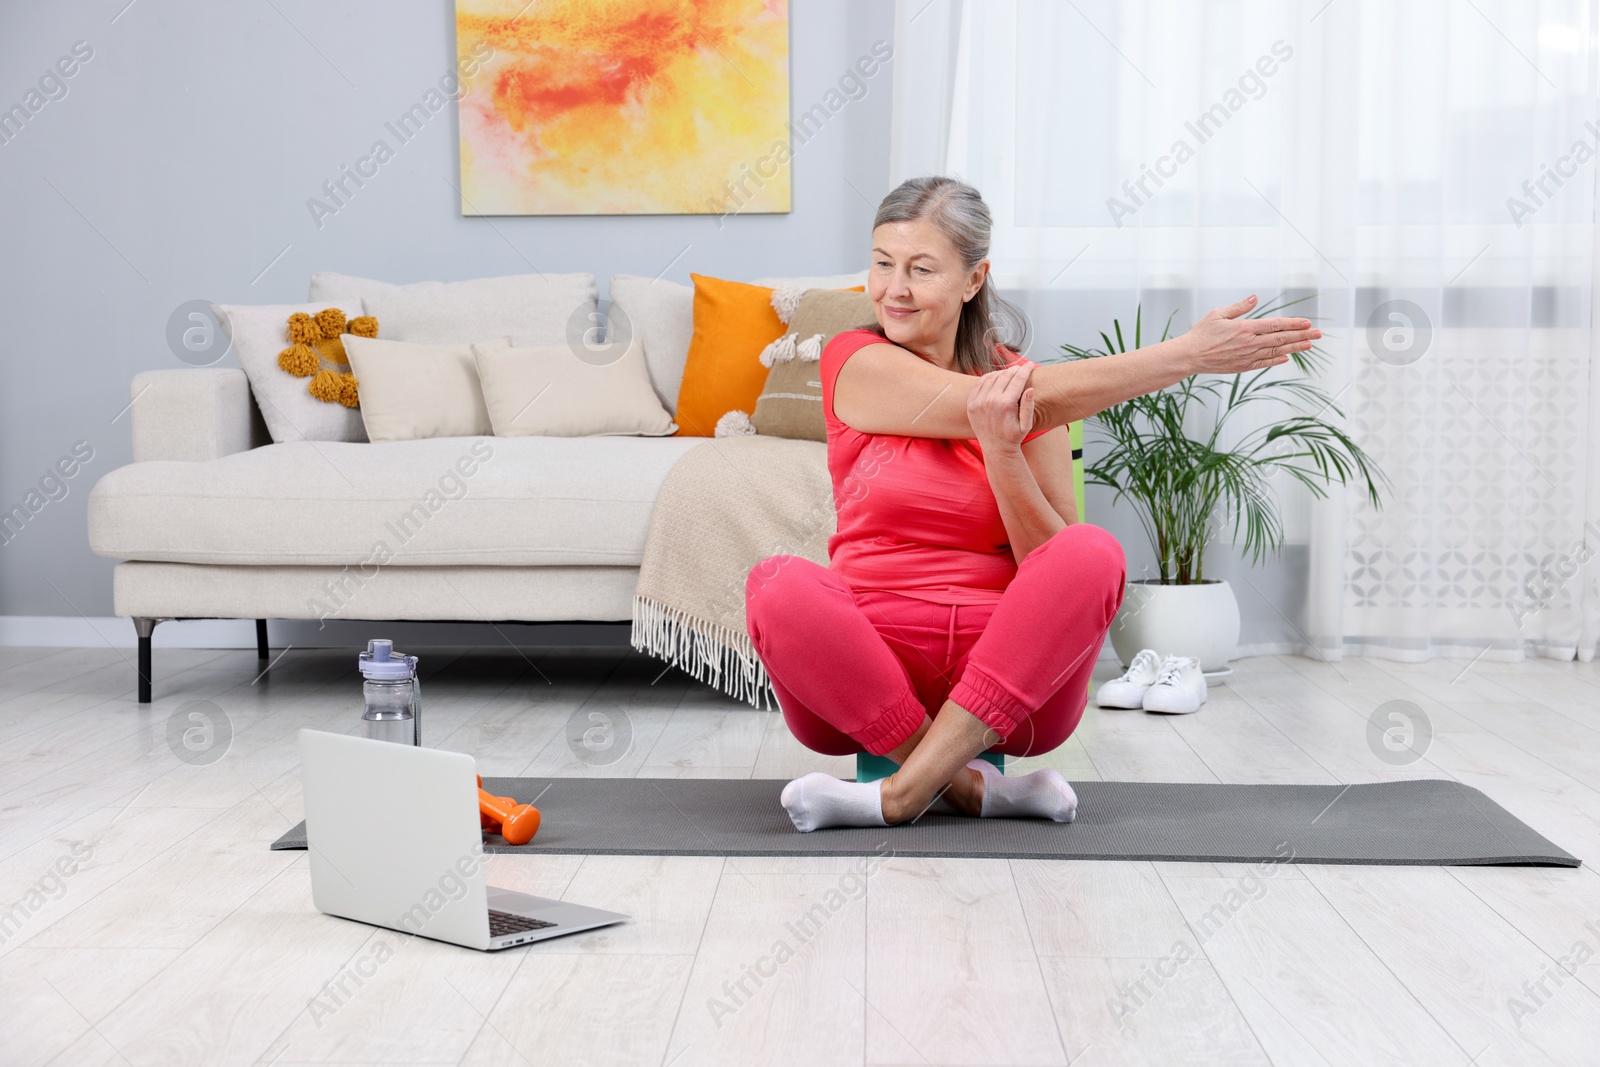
(411, 391)
(790, 404)
(556, 392)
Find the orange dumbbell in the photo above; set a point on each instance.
(518, 822)
(485, 820)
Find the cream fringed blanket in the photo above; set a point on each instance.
(724, 507)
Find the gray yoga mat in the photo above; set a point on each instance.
(1424, 822)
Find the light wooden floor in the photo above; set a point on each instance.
(181, 939)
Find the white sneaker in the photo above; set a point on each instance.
(1179, 688)
(1128, 691)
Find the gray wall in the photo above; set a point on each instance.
(179, 162)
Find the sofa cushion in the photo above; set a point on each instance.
(661, 314)
(410, 391)
(470, 501)
(816, 281)
(733, 322)
(258, 333)
(790, 404)
(556, 392)
(532, 309)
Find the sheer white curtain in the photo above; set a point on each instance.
(1426, 169)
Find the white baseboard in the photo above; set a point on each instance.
(74, 631)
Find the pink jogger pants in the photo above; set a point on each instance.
(856, 671)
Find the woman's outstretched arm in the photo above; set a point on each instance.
(883, 388)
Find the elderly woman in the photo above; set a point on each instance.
(964, 604)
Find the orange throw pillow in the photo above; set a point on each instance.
(733, 322)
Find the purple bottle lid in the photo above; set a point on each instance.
(381, 663)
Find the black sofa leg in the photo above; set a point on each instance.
(262, 652)
(145, 627)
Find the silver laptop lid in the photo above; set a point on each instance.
(393, 837)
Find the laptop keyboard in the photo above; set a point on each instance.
(503, 922)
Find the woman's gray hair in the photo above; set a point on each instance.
(958, 211)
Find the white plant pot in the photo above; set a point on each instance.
(1178, 620)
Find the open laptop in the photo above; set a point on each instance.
(393, 837)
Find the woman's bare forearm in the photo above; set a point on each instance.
(1071, 392)
(884, 389)
(1030, 519)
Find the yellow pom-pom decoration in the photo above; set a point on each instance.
(332, 350)
(303, 329)
(347, 391)
(299, 360)
(318, 353)
(331, 320)
(326, 386)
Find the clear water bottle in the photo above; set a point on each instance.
(393, 694)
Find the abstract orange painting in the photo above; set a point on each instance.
(624, 107)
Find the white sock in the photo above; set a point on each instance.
(819, 799)
(1042, 794)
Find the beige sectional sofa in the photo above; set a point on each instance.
(213, 520)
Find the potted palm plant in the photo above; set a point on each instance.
(1185, 460)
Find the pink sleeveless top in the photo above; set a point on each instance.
(916, 514)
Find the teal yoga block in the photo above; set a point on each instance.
(870, 768)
